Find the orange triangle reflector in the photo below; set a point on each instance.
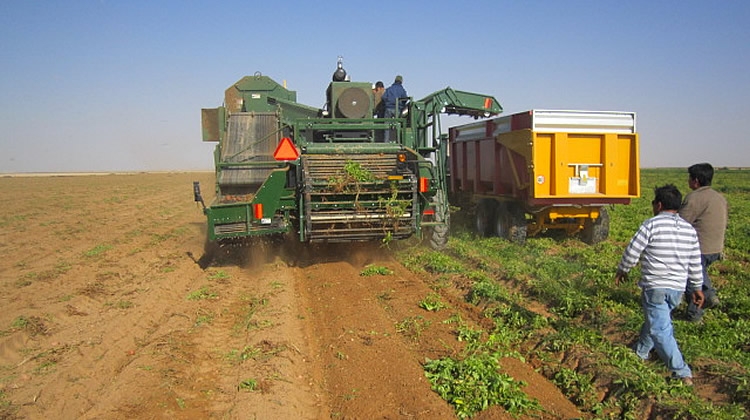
(286, 150)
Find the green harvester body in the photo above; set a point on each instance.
(336, 174)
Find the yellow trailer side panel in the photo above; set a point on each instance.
(581, 165)
(577, 165)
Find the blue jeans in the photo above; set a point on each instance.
(694, 313)
(657, 332)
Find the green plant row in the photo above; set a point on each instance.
(584, 339)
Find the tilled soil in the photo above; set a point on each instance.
(110, 311)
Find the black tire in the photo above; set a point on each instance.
(510, 222)
(210, 252)
(439, 234)
(518, 224)
(484, 217)
(595, 231)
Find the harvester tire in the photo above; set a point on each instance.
(510, 222)
(210, 252)
(439, 233)
(484, 217)
(595, 231)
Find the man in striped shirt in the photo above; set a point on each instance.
(668, 250)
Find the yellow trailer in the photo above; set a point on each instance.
(546, 169)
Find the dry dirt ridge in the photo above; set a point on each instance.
(107, 314)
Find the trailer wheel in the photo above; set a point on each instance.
(595, 231)
(484, 217)
(439, 233)
(510, 222)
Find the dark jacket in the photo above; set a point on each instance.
(393, 93)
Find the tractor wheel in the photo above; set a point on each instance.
(510, 222)
(484, 217)
(439, 234)
(595, 231)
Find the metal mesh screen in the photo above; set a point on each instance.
(251, 139)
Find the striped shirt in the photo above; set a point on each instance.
(667, 247)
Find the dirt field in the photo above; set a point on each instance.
(107, 313)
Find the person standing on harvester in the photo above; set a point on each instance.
(377, 96)
(394, 97)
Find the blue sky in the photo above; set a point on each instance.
(118, 85)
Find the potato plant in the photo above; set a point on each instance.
(590, 322)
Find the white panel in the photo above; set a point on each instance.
(583, 121)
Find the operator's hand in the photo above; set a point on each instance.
(620, 276)
(698, 298)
